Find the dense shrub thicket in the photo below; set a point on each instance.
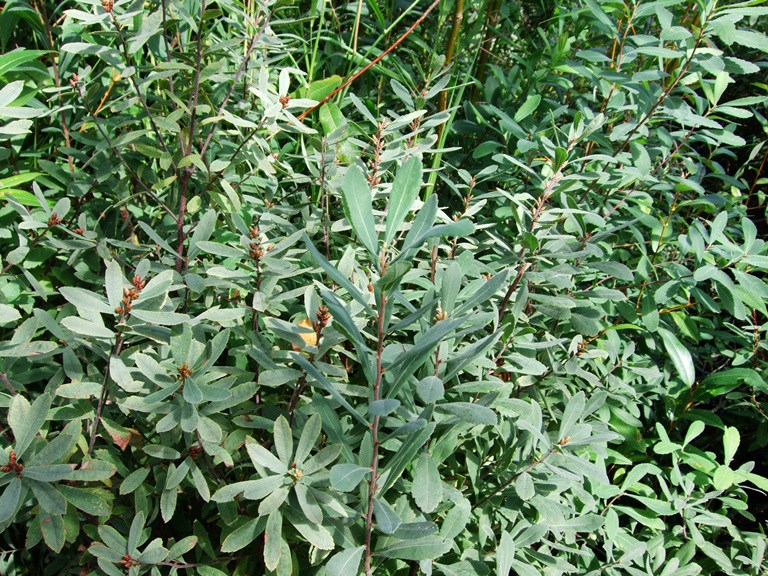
(496, 306)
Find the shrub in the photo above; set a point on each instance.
(255, 322)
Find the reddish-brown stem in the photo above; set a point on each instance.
(375, 432)
(375, 61)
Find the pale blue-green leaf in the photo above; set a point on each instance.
(244, 535)
(273, 540)
(84, 327)
(572, 413)
(356, 199)
(309, 435)
(430, 389)
(26, 420)
(346, 562)
(263, 457)
(405, 189)
(429, 548)
(386, 518)
(427, 488)
(346, 477)
(335, 275)
(680, 356)
(505, 553)
(283, 440)
(470, 412)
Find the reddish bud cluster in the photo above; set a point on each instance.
(12, 467)
(184, 371)
(128, 562)
(54, 220)
(107, 5)
(195, 452)
(322, 320)
(129, 295)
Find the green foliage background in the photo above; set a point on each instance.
(497, 306)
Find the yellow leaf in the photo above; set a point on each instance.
(310, 338)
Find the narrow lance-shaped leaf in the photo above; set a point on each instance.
(356, 198)
(405, 189)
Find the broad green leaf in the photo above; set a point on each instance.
(93, 501)
(325, 384)
(356, 199)
(731, 440)
(528, 107)
(87, 328)
(134, 534)
(383, 407)
(316, 534)
(168, 500)
(427, 488)
(405, 190)
(505, 554)
(430, 389)
(260, 456)
(309, 435)
(26, 420)
(283, 440)
(60, 447)
(428, 548)
(244, 535)
(346, 562)
(50, 473)
(386, 518)
(54, 534)
(470, 412)
(50, 500)
(346, 477)
(572, 413)
(273, 539)
(10, 499)
(345, 324)
(336, 276)
(680, 356)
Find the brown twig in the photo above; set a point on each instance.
(375, 61)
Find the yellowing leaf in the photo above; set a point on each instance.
(309, 337)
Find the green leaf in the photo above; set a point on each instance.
(346, 325)
(316, 534)
(10, 499)
(18, 57)
(168, 504)
(427, 488)
(26, 420)
(430, 389)
(244, 535)
(93, 501)
(680, 356)
(49, 499)
(325, 384)
(260, 456)
(54, 533)
(731, 440)
(60, 447)
(405, 190)
(528, 107)
(50, 473)
(86, 327)
(346, 477)
(387, 519)
(573, 411)
(383, 407)
(309, 435)
(335, 275)
(283, 440)
(428, 548)
(356, 199)
(505, 554)
(470, 412)
(346, 562)
(273, 539)
(319, 89)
